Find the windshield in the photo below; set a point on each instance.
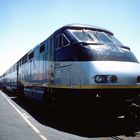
(95, 36)
(83, 36)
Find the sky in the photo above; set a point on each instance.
(26, 23)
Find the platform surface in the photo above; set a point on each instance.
(19, 122)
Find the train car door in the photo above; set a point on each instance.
(50, 61)
(62, 67)
(31, 55)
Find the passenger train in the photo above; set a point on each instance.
(80, 65)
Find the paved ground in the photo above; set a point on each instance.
(25, 120)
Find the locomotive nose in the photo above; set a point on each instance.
(116, 73)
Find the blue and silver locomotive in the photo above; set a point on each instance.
(78, 63)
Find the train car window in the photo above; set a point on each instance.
(24, 60)
(31, 55)
(42, 48)
(20, 62)
(46, 46)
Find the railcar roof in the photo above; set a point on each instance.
(83, 26)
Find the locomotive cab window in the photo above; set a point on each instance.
(61, 41)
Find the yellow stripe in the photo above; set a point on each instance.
(97, 86)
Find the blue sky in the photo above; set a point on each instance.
(25, 23)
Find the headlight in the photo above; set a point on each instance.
(100, 78)
(105, 79)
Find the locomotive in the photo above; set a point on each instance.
(80, 65)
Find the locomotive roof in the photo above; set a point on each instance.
(83, 26)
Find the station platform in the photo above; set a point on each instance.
(22, 120)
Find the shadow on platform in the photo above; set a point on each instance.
(67, 121)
